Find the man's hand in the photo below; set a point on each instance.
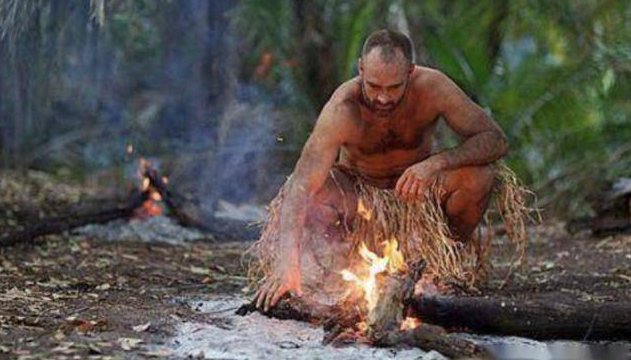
(416, 180)
(286, 279)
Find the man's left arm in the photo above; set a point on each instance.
(483, 140)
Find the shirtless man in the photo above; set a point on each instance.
(380, 125)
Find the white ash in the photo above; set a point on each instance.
(153, 229)
(229, 336)
(518, 348)
(242, 212)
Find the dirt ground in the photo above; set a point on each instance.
(74, 296)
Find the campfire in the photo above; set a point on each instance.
(391, 263)
(374, 307)
(379, 285)
(368, 277)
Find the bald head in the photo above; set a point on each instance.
(384, 69)
(390, 46)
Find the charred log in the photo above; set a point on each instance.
(287, 309)
(537, 319)
(385, 320)
(90, 213)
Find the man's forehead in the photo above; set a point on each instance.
(386, 54)
(379, 68)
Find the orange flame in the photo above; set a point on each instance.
(409, 323)
(391, 262)
(150, 208)
(363, 211)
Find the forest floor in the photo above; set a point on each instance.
(74, 296)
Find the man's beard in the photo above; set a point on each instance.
(381, 109)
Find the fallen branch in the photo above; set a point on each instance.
(92, 213)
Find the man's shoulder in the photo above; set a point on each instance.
(345, 100)
(427, 78)
(347, 93)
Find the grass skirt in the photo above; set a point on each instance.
(420, 229)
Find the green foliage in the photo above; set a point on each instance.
(555, 75)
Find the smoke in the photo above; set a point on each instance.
(161, 75)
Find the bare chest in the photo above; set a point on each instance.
(409, 132)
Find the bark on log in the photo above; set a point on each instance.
(537, 319)
(394, 291)
(91, 213)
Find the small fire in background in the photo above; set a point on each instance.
(151, 206)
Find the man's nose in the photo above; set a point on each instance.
(382, 98)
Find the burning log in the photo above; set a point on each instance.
(537, 319)
(141, 202)
(388, 312)
(188, 212)
(385, 321)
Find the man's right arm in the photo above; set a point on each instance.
(332, 129)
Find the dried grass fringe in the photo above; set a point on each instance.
(421, 230)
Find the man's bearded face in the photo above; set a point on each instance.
(384, 81)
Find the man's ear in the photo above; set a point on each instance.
(412, 66)
(360, 67)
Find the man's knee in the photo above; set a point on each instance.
(466, 202)
(335, 199)
(481, 179)
(476, 181)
